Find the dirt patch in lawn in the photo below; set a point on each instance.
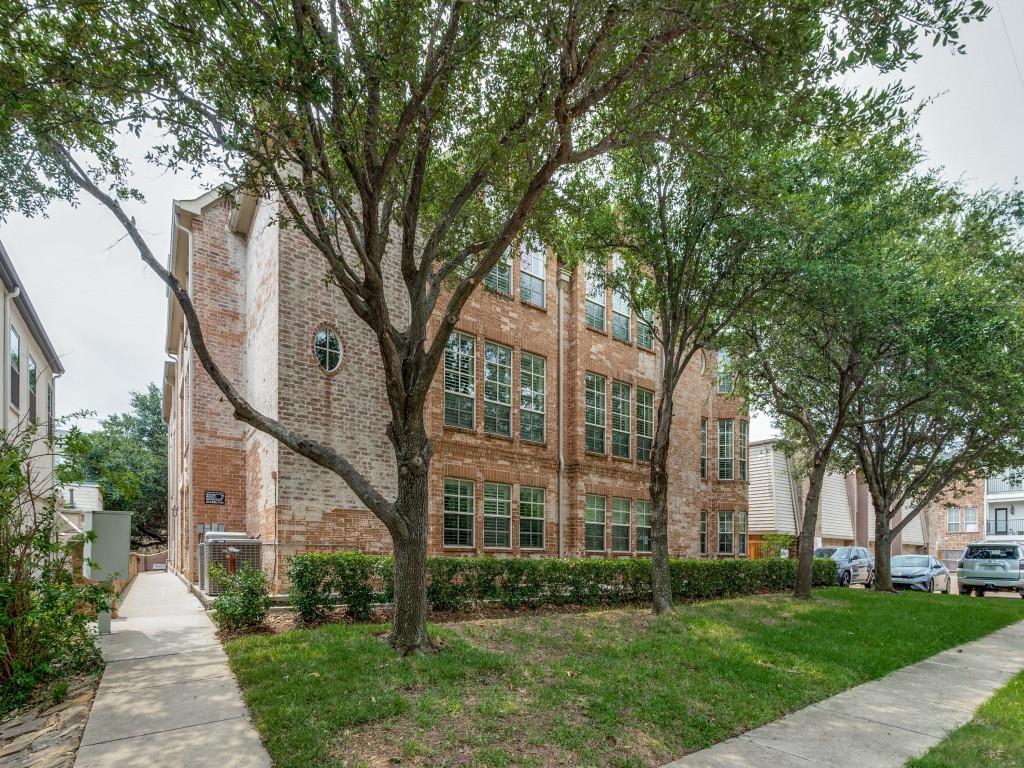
(453, 740)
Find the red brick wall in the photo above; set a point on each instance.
(936, 518)
(296, 506)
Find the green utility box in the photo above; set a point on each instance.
(106, 555)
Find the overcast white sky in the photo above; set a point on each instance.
(105, 312)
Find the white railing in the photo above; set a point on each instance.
(1013, 483)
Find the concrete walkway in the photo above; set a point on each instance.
(884, 723)
(167, 697)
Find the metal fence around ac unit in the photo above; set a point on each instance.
(210, 538)
(220, 551)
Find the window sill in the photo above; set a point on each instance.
(531, 305)
(601, 331)
(497, 292)
(535, 443)
(459, 547)
(649, 350)
(623, 459)
(595, 454)
(497, 549)
(533, 549)
(463, 430)
(498, 436)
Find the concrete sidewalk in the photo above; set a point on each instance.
(167, 697)
(883, 723)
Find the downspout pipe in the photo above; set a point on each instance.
(563, 282)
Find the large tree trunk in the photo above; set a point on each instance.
(805, 568)
(661, 579)
(883, 554)
(409, 536)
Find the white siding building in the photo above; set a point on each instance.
(776, 504)
(27, 386)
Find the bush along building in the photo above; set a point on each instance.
(541, 414)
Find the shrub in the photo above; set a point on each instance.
(44, 614)
(244, 600)
(320, 580)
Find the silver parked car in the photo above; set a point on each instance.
(854, 565)
(994, 566)
(920, 572)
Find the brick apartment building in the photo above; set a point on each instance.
(989, 509)
(541, 414)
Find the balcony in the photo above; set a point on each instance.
(1011, 483)
(1005, 527)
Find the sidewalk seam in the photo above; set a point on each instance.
(163, 730)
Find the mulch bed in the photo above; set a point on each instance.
(46, 733)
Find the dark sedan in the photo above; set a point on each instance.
(920, 572)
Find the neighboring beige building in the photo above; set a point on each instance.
(27, 385)
(846, 515)
(541, 415)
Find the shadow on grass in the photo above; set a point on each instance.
(613, 688)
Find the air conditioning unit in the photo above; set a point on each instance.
(219, 551)
(208, 538)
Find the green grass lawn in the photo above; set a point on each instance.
(612, 688)
(993, 739)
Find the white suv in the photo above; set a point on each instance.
(993, 566)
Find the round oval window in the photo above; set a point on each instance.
(327, 347)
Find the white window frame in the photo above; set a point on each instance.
(703, 532)
(703, 449)
(533, 261)
(529, 507)
(970, 519)
(622, 410)
(741, 534)
(497, 389)
(952, 519)
(644, 340)
(644, 424)
(497, 516)
(622, 510)
(725, 373)
(595, 407)
(726, 449)
(322, 346)
(595, 297)
(459, 490)
(33, 385)
(643, 523)
(595, 510)
(455, 381)
(725, 533)
(499, 279)
(621, 311)
(742, 449)
(14, 365)
(532, 395)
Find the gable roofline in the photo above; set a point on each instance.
(183, 212)
(11, 281)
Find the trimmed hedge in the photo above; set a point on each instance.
(320, 581)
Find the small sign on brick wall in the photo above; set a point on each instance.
(214, 497)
